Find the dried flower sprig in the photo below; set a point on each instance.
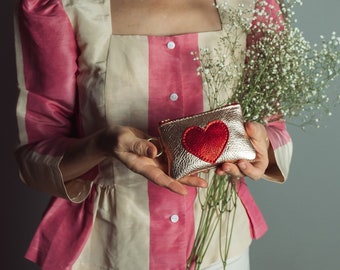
(282, 75)
(286, 75)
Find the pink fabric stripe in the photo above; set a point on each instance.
(170, 243)
(258, 225)
(269, 14)
(278, 134)
(49, 64)
(62, 234)
(176, 75)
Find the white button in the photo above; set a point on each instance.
(174, 218)
(173, 97)
(171, 45)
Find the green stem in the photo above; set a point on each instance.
(220, 199)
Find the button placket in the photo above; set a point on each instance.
(173, 95)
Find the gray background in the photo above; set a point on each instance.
(303, 214)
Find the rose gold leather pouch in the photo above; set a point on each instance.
(199, 142)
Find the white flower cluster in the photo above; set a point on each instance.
(283, 74)
(278, 75)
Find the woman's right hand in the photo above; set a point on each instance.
(132, 148)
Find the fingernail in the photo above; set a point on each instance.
(204, 184)
(151, 153)
(242, 166)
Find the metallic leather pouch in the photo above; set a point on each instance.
(199, 142)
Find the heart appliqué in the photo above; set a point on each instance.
(207, 144)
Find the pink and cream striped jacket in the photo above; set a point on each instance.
(76, 77)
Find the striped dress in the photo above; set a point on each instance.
(76, 77)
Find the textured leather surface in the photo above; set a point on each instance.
(207, 153)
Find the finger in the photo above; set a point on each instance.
(130, 140)
(161, 179)
(142, 147)
(193, 181)
(156, 142)
(147, 168)
(253, 170)
(259, 138)
(229, 168)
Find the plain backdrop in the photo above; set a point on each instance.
(303, 214)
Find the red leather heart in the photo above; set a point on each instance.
(206, 144)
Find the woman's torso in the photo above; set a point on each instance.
(137, 80)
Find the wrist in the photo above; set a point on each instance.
(99, 145)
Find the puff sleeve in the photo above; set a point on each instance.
(46, 54)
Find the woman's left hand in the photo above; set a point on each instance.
(255, 169)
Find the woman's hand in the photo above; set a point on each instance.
(132, 148)
(255, 169)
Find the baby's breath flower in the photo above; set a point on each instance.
(283, 75)
(281, 63)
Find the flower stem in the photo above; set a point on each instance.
(220, 200)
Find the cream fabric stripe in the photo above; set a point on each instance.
(126, 96)
(117, 100)
(92, 22)
(205, 40)
(237, 263)
(120, 208)
(283, 156)
(132, 220)
(126, 93)
(241, 226)
(240, 236)
(22, 99)
(208, 40)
